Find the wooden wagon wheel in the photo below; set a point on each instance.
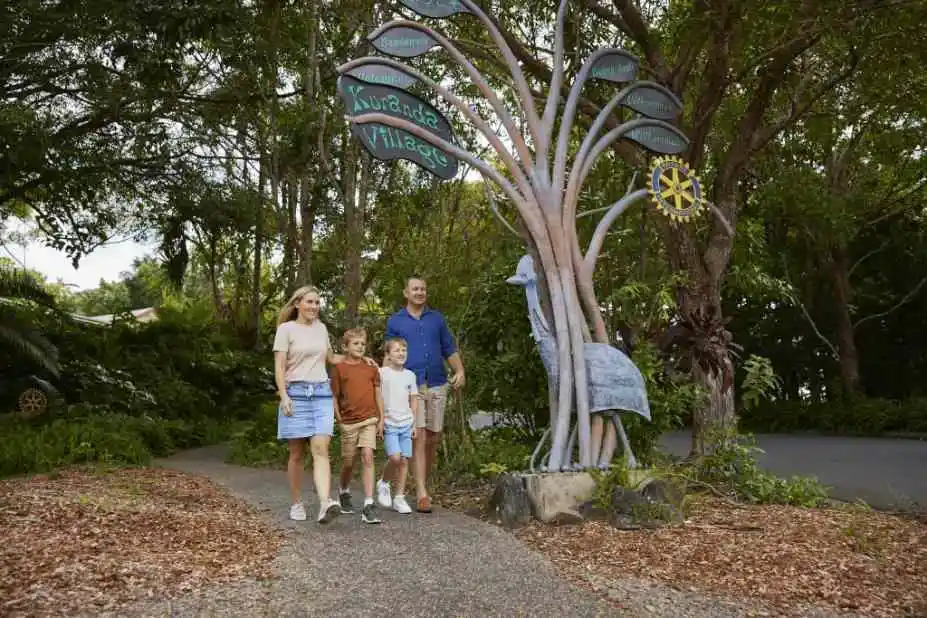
(32, 402)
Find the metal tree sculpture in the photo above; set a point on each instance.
(393, 123)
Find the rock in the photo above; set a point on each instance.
(652, 504)
(557, 497)
(509, 503)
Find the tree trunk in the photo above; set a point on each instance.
(846, 336)
(355, 207)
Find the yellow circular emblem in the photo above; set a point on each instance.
(675, 189)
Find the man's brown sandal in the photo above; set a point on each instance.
(424, 505)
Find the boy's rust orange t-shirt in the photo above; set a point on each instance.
(355, 386)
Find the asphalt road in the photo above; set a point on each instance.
(886, 473)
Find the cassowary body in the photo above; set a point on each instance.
(614, 383)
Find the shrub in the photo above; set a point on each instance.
(732, 468)
(857, 417)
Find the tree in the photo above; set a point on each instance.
(20, 291)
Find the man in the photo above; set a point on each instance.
(430, 343)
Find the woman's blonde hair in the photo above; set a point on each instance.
(289, 311)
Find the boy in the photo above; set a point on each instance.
(400, 397)
(359, 413)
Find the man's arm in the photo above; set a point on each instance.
(449, 351)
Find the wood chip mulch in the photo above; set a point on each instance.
(85, 540)
(870, 563)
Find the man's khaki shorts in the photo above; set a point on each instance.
(358, 435)
(434, 400)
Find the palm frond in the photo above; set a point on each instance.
(17, 284)
(24, 341)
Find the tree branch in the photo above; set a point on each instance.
(638, 30)
(907, 298)
(804, 311)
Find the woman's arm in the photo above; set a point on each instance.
(280, 381)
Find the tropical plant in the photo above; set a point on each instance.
(20, 339)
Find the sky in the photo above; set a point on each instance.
(106, 262)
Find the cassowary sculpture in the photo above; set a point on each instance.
(614, 383)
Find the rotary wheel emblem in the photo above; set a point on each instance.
(675, 189)
(32, 402)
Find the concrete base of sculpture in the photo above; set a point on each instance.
(550, 497)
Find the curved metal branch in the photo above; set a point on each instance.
(569, 113)
(478, 80)
(556, 80)
(598, 237)
(495, 209)
(578, 177)
(503, 152)
(518, 76)
(422, 133)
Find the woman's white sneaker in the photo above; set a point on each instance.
(383, 494)
(298, 512)
(401, 506)
(329, 511)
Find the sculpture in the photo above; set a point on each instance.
(544, 187)
(613, 381)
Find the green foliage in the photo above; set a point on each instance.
(606, 481)
(853, 417)
(257, 445)
(88, 436)
(672, 400)
(134, 391)
(760, 381)
(732, 469)
(21, 296)
(494, 450)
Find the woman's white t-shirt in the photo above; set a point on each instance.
(396, 387)
(306, 346)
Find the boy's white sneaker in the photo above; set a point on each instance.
(298, 512)
(329, 511)
(401, 506)
(383, 494)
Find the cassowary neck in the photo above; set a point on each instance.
(535, 316)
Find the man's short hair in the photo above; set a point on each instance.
(414, 278)
(354, 333)
(394, 341)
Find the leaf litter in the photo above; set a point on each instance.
(85, 540)
(843, 559)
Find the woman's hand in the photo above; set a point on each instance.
(286, 404)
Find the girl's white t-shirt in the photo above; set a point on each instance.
(396, 387)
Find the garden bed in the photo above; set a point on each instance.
(90, 540)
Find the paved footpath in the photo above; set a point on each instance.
(441, 564)
(886, 473)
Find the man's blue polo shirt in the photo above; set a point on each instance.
(430, 342)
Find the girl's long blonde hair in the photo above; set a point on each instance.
(289, 311)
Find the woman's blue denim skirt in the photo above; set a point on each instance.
(313, 411)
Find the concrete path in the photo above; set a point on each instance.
(440, 564)
(886, 473)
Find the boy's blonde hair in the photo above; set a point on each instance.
(394, 341)
(354, 333)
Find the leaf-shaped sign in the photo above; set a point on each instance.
(403, 42)
(386, 143)
(653, 100)
(363, 98)
(436, 8)
(374, 72)
(663, 140)
(617, 66)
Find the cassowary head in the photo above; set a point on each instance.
(524, 272)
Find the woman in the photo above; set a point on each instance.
(301, 349)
